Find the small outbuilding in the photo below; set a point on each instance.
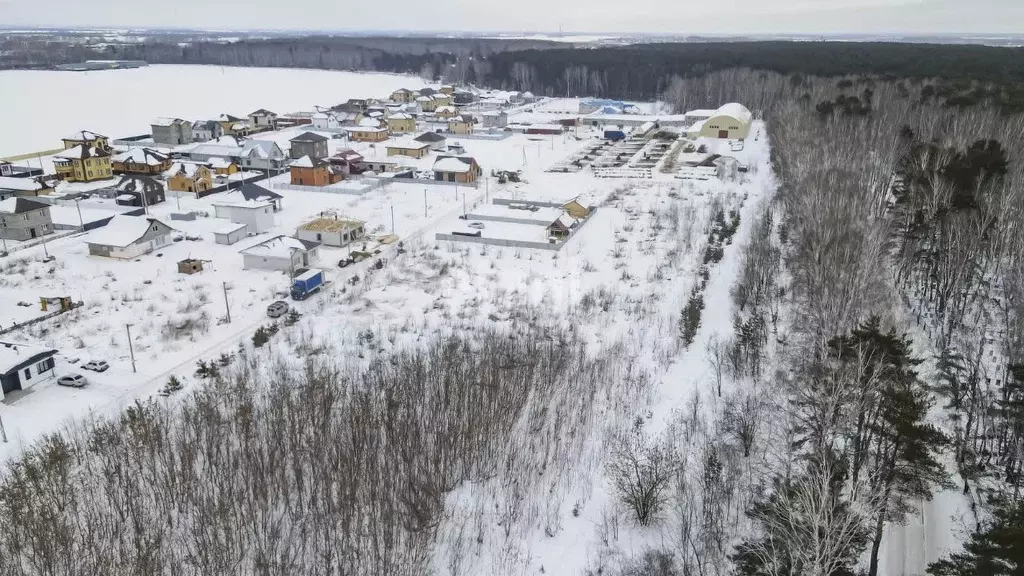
(230, 233)
(280, 253)
(190, 266)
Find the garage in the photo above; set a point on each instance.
(730, 122)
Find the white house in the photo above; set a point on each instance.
(326, 120)
(280, 253)
(494, 119)
(22, 367)
(257, 215)
(128, 237)
(331, 230)
(230, 233)
(262, 119)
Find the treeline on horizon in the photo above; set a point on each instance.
(962, 75)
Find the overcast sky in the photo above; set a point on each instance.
(655, 16)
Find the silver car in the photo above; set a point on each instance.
(72, 380)
(277, 309)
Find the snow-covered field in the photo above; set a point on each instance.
(39, 107)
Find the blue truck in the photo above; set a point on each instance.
(309, 282)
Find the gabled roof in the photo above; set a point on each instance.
(307, 162)
(262, 112)
(141, 156)
(256, 192)
(453, 164)
(18, 205)
(205, 125)
(261, 149)
(21, 184)
(83, 136)
(430, 137)
(279, 247)
(81, 152)
(122, 231)
(406, 144)
(188, 169)
(228, 118)
(309, 137)
(219, 162)
(136, 183)
(399, 116)
(165, 121)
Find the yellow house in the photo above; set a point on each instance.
(460, 125)
(367, 134)
(86, 157)
(401, 123)
(86, 138)
(410, 148)
(189, 177)
(234, 126)
(576, 210)
(448, 90)
(427, 103)
(446, 112)
(403, 95)
(223, 166)
(443, 99)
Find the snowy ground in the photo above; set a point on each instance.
(39, 107)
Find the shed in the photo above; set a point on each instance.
(230, 233)
(190, 266)
(731, 121)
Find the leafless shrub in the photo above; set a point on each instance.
(641, 472)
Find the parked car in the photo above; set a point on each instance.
(72, 380)
(477, 225)
(96, 365)
(345, 262)
(277, 309)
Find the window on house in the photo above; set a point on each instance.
(28, 373)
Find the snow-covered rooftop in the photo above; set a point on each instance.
(735, 110)
(83, 136)
(80, 152)
(278, 247)
(452, 164)
(20, 184)
(304, 162)
(121, 231)
(165, 121)
(13, 355)
(141, 156)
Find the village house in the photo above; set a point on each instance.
(308, 144)
(404, 147)
(442, 99)
(252, 193)
(348, 162)
(171, 131)
(427, 103)
(436, 141)
(233, 125)
(83, 162)
(192, 177)
(562, 226)
(262, 120)
(366, 134)
(223, 166)
(576, 210)
(22, 367)
(331, 230)
(24, 219)
(140, 161)
(326, 120)
(403, 95)
(261, 155)
(426, 91)
(494, 119)
(460, 169)
(307, 171)
(136, 190)
(206, 130)
(280, 253)
(447, 89)
(88, 139)
(256, 215)
(30, 186)
(400, 123)
(461, 124)
(128, 237)
(446, 112)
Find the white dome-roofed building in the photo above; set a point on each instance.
(731, 121)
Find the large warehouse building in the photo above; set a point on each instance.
(731, 121)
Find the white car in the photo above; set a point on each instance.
(477, 225)
(277, 309)
(96, 365)
(72, 380)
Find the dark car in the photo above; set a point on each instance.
(345, 262)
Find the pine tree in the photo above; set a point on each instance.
(998, 550)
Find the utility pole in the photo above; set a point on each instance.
(424, 205)
(42, 236)
(3, 229)
(81, 221)
(131, 350)
(3, 432)
(227, 308)
(392, 218)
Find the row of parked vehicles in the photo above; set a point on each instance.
(76, 380)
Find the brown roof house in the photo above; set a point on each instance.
(459, 169)
(193, 177)
(140, 161)
(309, 172)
